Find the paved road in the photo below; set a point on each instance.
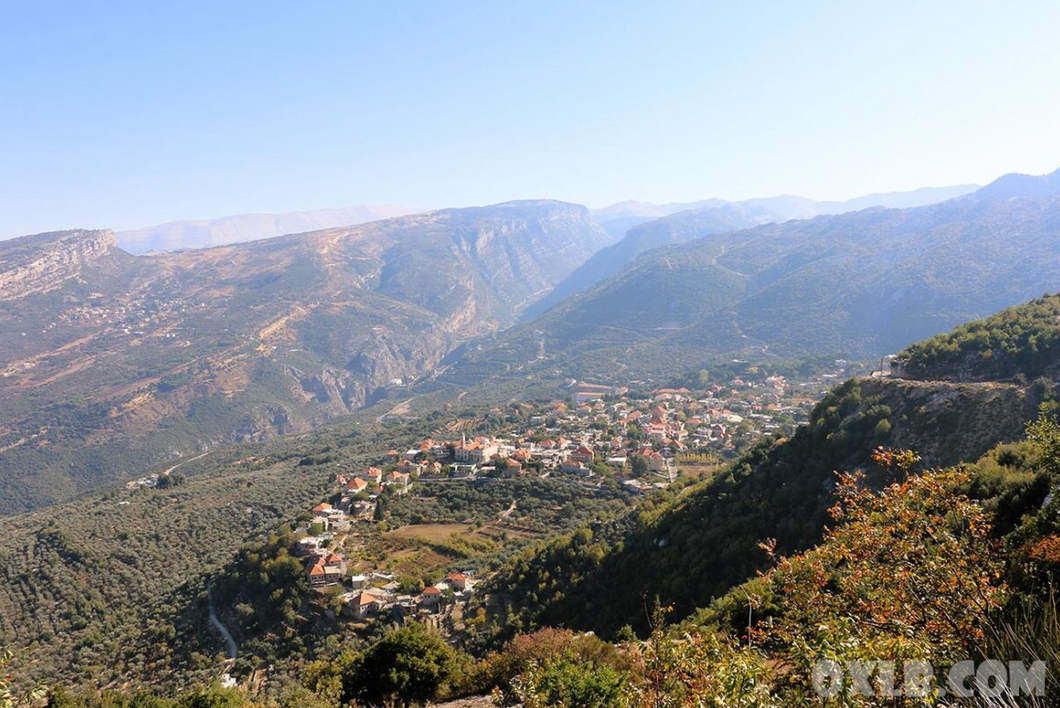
(230, 642)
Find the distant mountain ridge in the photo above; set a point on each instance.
(239, 228)
(860, 284)
(638, 231)
(1021, 185)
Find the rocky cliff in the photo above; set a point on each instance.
(42, 263)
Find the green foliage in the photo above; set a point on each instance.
(406, 667)
(213, 697)
(564, 683)
(499, 671)
(1020, 341)
(1044, 434)
(700, 669)
(266, 584)
(545, 505)
(204, 696)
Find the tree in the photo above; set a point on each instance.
(214, 697)
(406, 666)
(1044, 432)
(381, 505)
(909, 573)
(567, 683)
(700, 669)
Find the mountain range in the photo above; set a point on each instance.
(642, 227)
(94, 579)
(111, 363)
(859, 284)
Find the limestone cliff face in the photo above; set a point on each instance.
(947, 423)
(42, 263)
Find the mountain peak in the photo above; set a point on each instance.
(1022, 185)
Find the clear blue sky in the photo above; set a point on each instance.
(125, 114)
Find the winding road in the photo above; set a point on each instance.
(230, 642)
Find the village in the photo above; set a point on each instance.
(600, 435)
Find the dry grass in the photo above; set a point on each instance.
(431, 533)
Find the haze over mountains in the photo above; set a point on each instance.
(615, 219)
(642, 227)
(248, 227)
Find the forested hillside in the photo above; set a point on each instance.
(1022, 341)
(97, 589)
(602, 578)
(936, 566)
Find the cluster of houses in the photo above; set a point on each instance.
(359, 492)
(635, 439)
(370, 593)
(379, 593)
(605, 430)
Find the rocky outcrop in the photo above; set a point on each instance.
(42, 263)
(947, 423)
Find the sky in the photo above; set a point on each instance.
(122, 115)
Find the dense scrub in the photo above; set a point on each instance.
(1022, 341)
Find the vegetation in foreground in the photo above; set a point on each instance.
(940, 565)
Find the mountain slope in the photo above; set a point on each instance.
(111, 364)
(93, 589)
(680, 223)
(248, 227)
(1020, 185)
(619, 218)
(861, 284)
(678, 228)
(1022, 341)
